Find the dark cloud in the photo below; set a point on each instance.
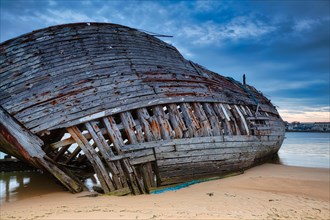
(282, 46)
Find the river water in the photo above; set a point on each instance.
(305, 149)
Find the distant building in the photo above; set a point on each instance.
(317, 126)
(321, 126)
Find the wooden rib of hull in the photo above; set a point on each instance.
(109, 102)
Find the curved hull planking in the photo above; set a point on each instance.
(111, 103)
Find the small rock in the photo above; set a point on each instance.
(210, 194)
(98, 189)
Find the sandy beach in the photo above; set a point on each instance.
(268, 191)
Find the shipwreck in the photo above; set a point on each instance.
(114, 103)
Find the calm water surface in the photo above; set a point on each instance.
(306, 149)
(298, 149)
(19, 185)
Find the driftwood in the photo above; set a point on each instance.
(111, 103)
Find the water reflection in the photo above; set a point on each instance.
(19, 185)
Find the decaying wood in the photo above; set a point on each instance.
(165, 127)
(26, 146)
(190, 119)
(93, 157)
(94, 99)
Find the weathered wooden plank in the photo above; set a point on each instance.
(114, 133)
(243, 120)
(194, 153)
(107, 37)
(225, 111)
(198, 140)
(155, 128)
(73, 155)
(146, 123)
(78, 110)
(133, 154)
(93, 157)
(190, 119)
(61, 152)
(145, 169)
(129, 125)
(257, 118)
(240, 120)
(70, 183)
(83, 90)
(105, 151)
(205, 129)
(117, 107)
(151, 176)
(248, 111)
(213, 118)
(204, 164)
(225, 119)
(94, 43)
(176, 121)
(235, 169)
(160, 149)
(203, 170)
(146, 176)
(140, 160)
(226, 146)
(27, 144)
(29, 149)
(165, 127)
(118, 143)
(197, 159)
(234, 120)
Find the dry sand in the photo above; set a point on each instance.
(265, 192)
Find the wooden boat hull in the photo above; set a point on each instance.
(104, 101)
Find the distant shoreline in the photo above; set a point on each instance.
(309, 131)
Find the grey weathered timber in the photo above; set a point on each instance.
(190, 119)
(214, 121)
(105, 151)
(117, 141)
(92, 156)
(165, 127)
(21, 143)
(147, 123)
(178, 125)
(205, 129)
(103, 100)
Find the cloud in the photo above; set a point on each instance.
(206, 5)
(236, 29)
(307, 24)
(306, 115)
(293, 109)
(304, 24)
(52, 3)
(87, 3)
(276, 85)
(245, 27)
(54, 16)
(282, 46)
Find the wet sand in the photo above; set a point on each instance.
(269, 191)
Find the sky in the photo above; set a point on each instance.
(281, 46)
